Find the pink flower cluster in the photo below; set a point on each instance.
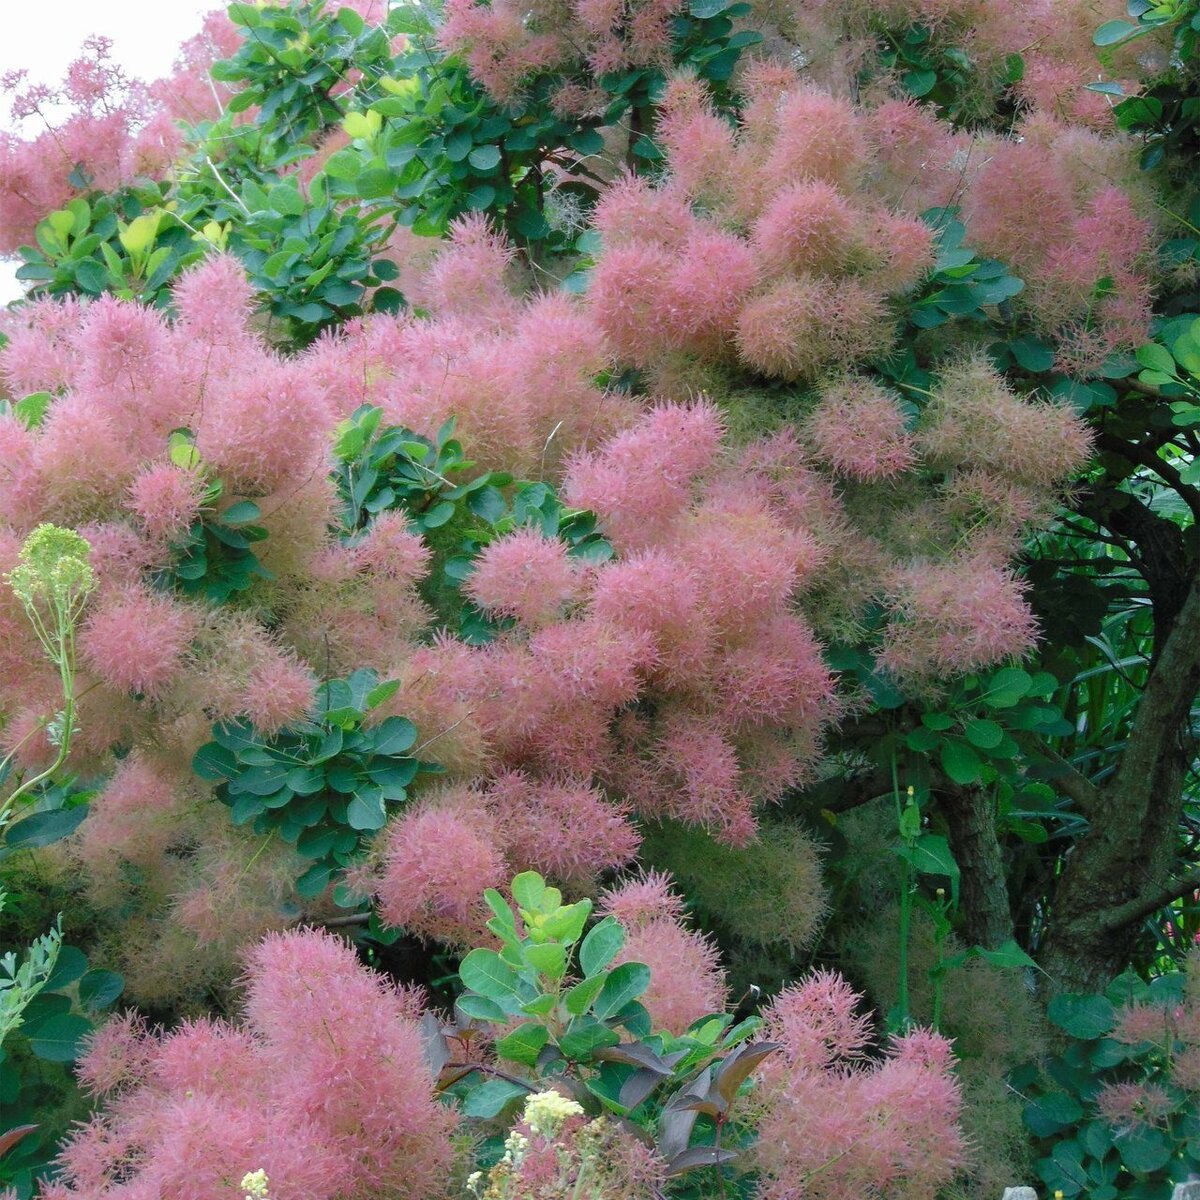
(764, 246)
(683, 678)
(97, 131)
(323, 1086)
(687, 981)
(508, 44)
(836, 1125)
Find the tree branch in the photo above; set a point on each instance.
(1166, 699)
(1148, 457)
(1150, 901)
(1072, 782)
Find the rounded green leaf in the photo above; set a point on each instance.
(1051, 1113)
(1084, 1017)
(57, 1039)
(480, 1008)
(601, 946)
(984, 735)
(524, 1044)
(1112, 32)
(484, 158)
(68, 967)
(46, 827)
(99, 989)
(624, 984)
(490, 1098)
(959, 761)
(1143, 1149)
(485, 972)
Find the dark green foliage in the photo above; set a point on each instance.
(217, 560)
(1086, 1155)
(125, 242)
(324, 786)
(383, 468)
(35, 1082)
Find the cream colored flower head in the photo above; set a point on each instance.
(545, 1112)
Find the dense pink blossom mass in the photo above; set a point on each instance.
(323, 1087)
(683, 678)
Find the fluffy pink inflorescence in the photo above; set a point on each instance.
(166, 500)
(687, 982)
(437, 858)
(859, 428)
(324, 1088)
(956, 617)
(847, 1125)
(682, 677)
(137, 641)
(525, 575)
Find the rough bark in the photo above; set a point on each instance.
(1122, 870)
(987, 918)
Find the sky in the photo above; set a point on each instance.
(145, 34)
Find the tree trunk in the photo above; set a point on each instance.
(984, 888)
(1120, 871)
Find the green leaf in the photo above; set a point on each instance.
(484, 971)
(394, 736)
(484, 158)
(1112, 32)
(584, 1035)
(624, 984)
(939, 721)
(98, 989)
(1007, 955)
(377, 695)
(1032, 354)
(500, 908)
(315, 880)
(1156, 358)
(375, 183)
(601, 946)
(45, 827)
(70, 966)
(1082, 1016)
(241, 513)
(524, 1044)
(959, 761)
(705, 10)
(92, 276)
(1051, 1113)
(540, 1007)
(566, 923)
(490, 1098)
(33, 408)
(480, 1007)
(57, 1039)
(350, 21)
(529, 891)
(931, 855)
(920, 83)
(984, 735)
(366, 811)
(550, 958)
(1143, 1149)
(1007, 687)
(579, 998)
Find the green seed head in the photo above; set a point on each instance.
(54, 566)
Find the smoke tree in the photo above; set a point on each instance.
(598, 441)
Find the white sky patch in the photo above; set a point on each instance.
(146, 35)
